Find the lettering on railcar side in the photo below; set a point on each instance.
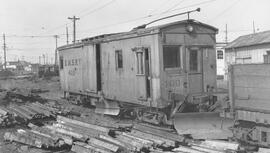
(172, 83)
(72, 62)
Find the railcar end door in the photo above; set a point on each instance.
(195, 69)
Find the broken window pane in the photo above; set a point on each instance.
(171, 56)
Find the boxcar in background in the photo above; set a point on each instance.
(250, 97)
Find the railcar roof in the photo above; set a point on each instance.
(143, 30)
(137, 30)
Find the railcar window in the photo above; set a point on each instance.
(171, 56)
(140, 62)
(61, 62)
(119, 59)
(193, 61)
(219, 54)
(263, 136)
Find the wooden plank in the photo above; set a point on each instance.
(156, 139)
(187, 150)
(161, 133)
(103, 144)
(87, 125)
(80, 147)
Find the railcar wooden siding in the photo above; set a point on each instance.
(251, 87)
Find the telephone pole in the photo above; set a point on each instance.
(44, 58)
(5, 56)
(253, 27)
(226, 35)
(55, 56)
(67, 34)
(74, 19)
(39, 60)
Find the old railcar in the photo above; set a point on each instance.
(159, 67)
(249, 94)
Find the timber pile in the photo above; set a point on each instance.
(23, 95)
(6, 119)
(209, 146)
(85, 131)
(32, 111)
(86, 137)
(34, 138)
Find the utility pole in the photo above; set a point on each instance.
(253, 27)
(39, 59)
(47, 57)
(67, 33)
(226, 35)
(55, 56)
(5, 56)
(44, 58)
(74, 27)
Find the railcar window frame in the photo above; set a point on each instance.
(220, 54)
(140, 63)
(61, 62)
(177, 64)
(195, 66)
(119, 64)
(264, 136)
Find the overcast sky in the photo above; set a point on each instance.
(44, 18)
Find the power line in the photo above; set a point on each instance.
(192, 5)
(225, 10)
(91, 6)
(97, 9)
(68, 23)
(117, 23)
(60, 26)
(30, 36)
(161, 5)
(174, 6)
(148, 16)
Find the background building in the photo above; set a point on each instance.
(252, 48)
(220, 51)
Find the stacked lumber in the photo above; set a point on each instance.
(22, 95)
(165, 138)
(33, 138)
(6, 119)
(210, 146)
(31, 111)
(263, 150)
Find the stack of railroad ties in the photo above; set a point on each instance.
(89, 132)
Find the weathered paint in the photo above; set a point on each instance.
(245, 55)
(79, 69)
(125, 84)
(251, 86)
(181, 80)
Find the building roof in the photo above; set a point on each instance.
(251, 40)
